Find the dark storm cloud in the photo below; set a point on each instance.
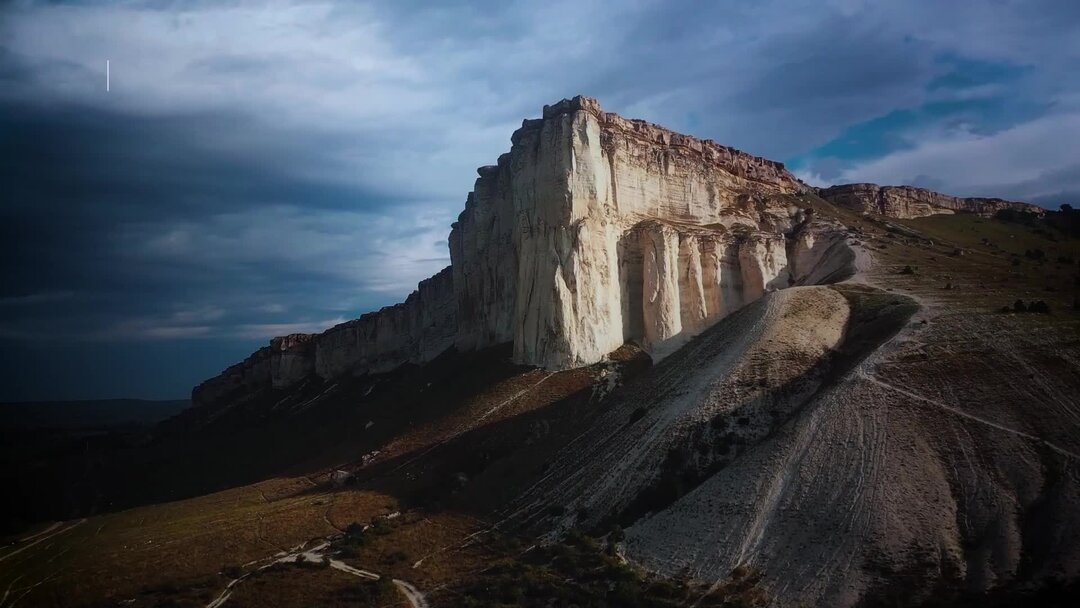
(138, 229)
(79, 181)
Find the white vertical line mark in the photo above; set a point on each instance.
(106, 74)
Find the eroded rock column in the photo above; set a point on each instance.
(662, 312)
(763, 261)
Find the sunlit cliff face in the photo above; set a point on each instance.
(593, 231)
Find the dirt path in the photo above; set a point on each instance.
(41, 538)
(415, 597)
(316, 555)
(52, 527)
(963, 414)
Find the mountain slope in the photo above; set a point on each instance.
(807, 405)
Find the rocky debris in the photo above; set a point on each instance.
(594, 230)
(908, 201)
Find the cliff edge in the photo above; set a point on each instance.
(593, 231)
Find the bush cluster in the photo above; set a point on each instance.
(1037, 306)
(583, 571)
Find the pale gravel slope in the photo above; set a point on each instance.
(948, 453)
(609, 464)
(944, 454)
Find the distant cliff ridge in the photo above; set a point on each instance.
(594, 230)
(909, 201)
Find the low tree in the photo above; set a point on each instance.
(1039, 307)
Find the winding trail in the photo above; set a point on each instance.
(41, 537)
(315, 554)
(963, 414)
(52, 527)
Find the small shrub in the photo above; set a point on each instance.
(380, 526)
(354, 531)
(1039, 307)
(617, 534)
(556, 510)
(907, 270)
(638, 414)
(1019, 306)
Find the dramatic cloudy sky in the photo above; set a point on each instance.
(262, 168)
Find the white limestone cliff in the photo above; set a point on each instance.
(601, 206)
(593, 230)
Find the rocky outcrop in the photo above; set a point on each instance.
(414, 331)
(248, 376)
(593, 230)
(908, 201)
(292, 358)
(686, 278)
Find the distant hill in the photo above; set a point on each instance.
(95, 414)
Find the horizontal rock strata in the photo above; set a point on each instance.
(908, 201)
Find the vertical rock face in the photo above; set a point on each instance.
(412, 332)
(908, 202)
(662, 310)
(484, 261)
(592, 231)
(609, 236)
(291, 359)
